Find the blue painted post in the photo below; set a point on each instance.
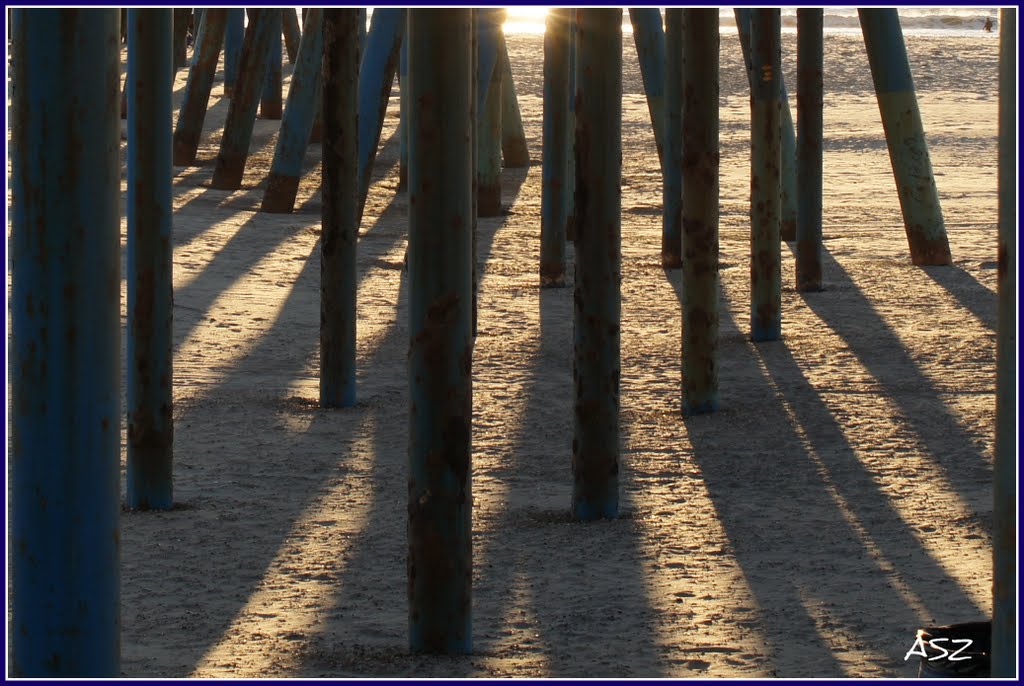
(441, 345)
(555, 148)
(700, 164)
(488, 193)
(189, 127)
(649, 37)
(149, 354)
(197, 40)
(904, 135)
(65, 346)
(570, 176)
(340, 48)
(234, 33)
(765, 176)
(514, 153)
(292, 141)
(362, 33)
(376, 76)
(403, 117)
(789, 160)
(672, 173)
(292, 37)
(270, 99)
(809, 103)
(180, 47)
(595, 446)
(234, 145)
(1004, 537)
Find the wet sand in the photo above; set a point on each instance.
(839, 500)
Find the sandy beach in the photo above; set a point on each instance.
(839, 500)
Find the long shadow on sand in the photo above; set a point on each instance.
(775, 496)
(974, 297)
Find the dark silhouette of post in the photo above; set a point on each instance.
(234, 36)
(514, 152)
(340, 232)
(189, 126)
(150, 458)
(65, 353)
(440, 323)
(809, 118)
(672, 136)
(595, 445)
(489, 123)
(555, 153)
(181, 19)
(649, 38)
(270, 99)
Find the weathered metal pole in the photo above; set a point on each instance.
(234, 36)
(340, 48)
(197, 39)
(292, 37)
(700, 163)
(403, 117)
(189, 127)
(765, 176)
(672, 138)
(150, 308)
(1004, 538)
(809, 103)
(234, 145)
(555, 148)
(514, 153)
(649, 37)
(376, 76)
(488, 192)
(441, 344)
(297, 122)
(904, 135)
(181, 18)
(65, 346)
(789, 160)
(270, 99)
(595, 446)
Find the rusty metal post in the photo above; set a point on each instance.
(765, 176)
(809, 103)
(595, 446)
(904, 135)
(234, 36)
(672, 179)
(293, 139)
(270, 99)
(340, 48)
(150, 309)
(65, 345)
(1004, 537)
(489, 125)
(403, 117)
(700, 170)
(555, 149)
(189, 126)
(181, 19)
(376, 75)
(514, 153)
(292, 37)
(649, 38)
(234, 145)
(440, 558)
(789, 160)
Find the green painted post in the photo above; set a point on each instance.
(809, 102)
(1004, 537)
(904, 135)
(700, 164)
(765, 176)
(597, 297)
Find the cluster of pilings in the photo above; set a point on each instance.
(458, 120)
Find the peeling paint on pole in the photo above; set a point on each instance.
(555, 153)
(597, 296)
(241, 117)
(904, 135)
(297, 122)
(700, 168)
(672, 184)
(809, 103)
(765, 176)
(65, 368)
(340, 234)
(189, 126)
(150, 455)
(440, 339)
